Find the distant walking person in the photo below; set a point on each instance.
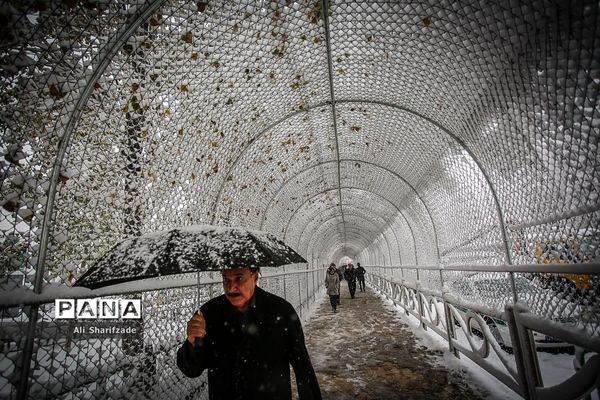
(360, 277)
(340, 271)
(350, 276)
(332, 283)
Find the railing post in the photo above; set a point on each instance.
(299, 296)
(419, 302)
(520, 355)
(23, 388)
(284, 289)
(312, 279)
(306, 277)
(451, 332)
(402, 284)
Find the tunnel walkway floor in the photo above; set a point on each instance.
(365, 351)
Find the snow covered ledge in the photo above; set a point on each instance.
(21, 296)
(578, 385)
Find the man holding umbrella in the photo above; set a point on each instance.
(246, 339)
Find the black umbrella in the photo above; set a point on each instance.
(187, 249)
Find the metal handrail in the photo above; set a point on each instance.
(592, 268)
(307, 288)
(521, 374)
(22, 296)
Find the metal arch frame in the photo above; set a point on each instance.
(287, 225)
(352, 160)
(397, 242)
(359, 208)
(374, 251)
(338, 251)
(354, 227)
(245, 150)
(378, 241)
(348, 251)
(370, 192)
(348, 160)
(353, 207)
(325, 15)
(435, 235)
(369, 257)
(358, 219)
(284, 183)
(354, 188)
(356, 211)
(479, 164)
(105, 57)
(332, 207)
(456, 139)
(335, 244)
(311, 242)
(354, 233)
(367, 252)
(383, 230)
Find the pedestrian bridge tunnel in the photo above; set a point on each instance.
(396, 134)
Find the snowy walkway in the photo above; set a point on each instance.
(364, 351)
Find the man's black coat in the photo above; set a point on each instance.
(248, 355)
(350, 274)
(360, 273)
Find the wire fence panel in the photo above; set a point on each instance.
(89, 359)
(413, 133)
(475, 311)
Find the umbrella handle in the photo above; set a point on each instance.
(198, 341)
(198, 291)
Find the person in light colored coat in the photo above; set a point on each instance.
(332, 283)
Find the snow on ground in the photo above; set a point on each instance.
(340, 374)
(309, 313)
(364, 352)
(555, 368)
(483, 383)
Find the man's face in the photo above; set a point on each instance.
(239, 285)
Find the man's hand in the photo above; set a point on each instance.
(196, 327)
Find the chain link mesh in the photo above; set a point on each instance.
(445, 134)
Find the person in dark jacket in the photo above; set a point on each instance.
(360, 277)
(350, 276)
(247, 340)
(340, 271)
